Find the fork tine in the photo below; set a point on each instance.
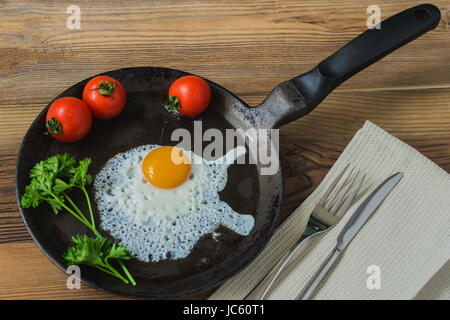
(343, 193)
(332, 185)
(350, 198)
(339, 191)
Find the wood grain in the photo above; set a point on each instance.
(246, 46)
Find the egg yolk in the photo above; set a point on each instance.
(166, 167)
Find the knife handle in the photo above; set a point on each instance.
(317, 278)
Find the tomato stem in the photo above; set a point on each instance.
(53, 126)
(106, 87)
(172, 104)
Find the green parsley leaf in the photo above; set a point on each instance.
(55, 206)
(80, 177)
(31, 197)
(86, 251)
(95, 252)
(60, 186)
(118, 252)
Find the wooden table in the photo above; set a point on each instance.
(248, 47)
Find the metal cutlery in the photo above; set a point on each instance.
(327, 213)
(349, 231)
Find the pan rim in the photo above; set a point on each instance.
(265, 237)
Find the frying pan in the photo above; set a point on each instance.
(145, 121)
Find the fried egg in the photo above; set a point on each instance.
(158, 201)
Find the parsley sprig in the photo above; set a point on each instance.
(51, 181)
(95, 252)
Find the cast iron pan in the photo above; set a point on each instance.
(145, 121)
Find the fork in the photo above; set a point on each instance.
(327, 213)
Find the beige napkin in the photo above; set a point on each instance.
(400, 253)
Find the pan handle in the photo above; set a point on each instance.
(372, 45)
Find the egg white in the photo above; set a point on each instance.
(156, 224)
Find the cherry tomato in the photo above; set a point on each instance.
(189, 95)
(105, 97)
(68, 119)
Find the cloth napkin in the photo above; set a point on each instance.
(402, 251)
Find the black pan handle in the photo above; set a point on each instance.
(294, 98)
(364, 50)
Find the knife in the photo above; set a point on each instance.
(349, 231)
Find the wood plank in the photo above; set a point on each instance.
(250, 45)
(246, 46)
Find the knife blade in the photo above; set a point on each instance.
(349, 231)
(366, 209)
